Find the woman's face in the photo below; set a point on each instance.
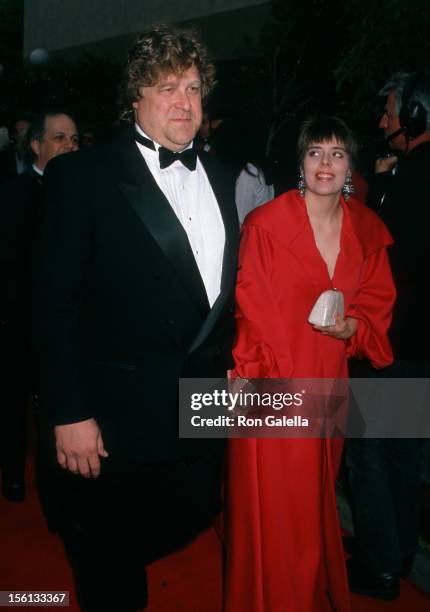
(325, 166)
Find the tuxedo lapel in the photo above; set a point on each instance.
(300, 241)
(154, 211)
(224, 194)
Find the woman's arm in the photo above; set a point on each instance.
(373, 308)
(261, 349)
(343, 329)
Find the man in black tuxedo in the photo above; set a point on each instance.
(51, 134)
(134, 288)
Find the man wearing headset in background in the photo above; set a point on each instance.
(385, 473)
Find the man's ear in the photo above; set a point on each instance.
(35, 147)
(135, 104)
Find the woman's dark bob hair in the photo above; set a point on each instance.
(324, 129)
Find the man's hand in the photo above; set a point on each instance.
(343, 329)
(385, 164)
(79, 448)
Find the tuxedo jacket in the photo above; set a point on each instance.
(120, 309)
(7, 164)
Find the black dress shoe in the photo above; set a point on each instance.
(384, 585)
(142, 599)
(13, 491)
(142, 603)
(407, 565)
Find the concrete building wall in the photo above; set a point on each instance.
(60, 24)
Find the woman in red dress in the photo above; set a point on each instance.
(284, 549)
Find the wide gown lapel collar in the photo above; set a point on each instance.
(154, 211)
(302, 245)
(300, 241)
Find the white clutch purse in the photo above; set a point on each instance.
(327, 305)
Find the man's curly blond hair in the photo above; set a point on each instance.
(163, 50)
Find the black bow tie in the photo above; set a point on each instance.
(167, 157)
(187, 157)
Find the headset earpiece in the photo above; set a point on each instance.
(412, 115)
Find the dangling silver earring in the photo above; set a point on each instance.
(348, 187)
(301, 185)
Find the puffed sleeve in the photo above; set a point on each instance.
(261, 347)
(373, 306)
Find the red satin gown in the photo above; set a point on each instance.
(284, 549)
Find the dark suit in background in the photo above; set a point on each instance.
(20, 202)
(385, 473)
(390, 532)
(8, 168)
(401, 199)
(50, 134)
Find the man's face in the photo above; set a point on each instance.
(61, 136)
(170, 112)
(390, 123)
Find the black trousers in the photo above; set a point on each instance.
(114, 525)
(384, 476)
(385, 485)
(16, 376)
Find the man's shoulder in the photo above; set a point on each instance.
(214, 164)
(417, 161)
(17, 196)
(421, 151)
(7, 164)
(411, 181)
(85, 163)
(20, 185)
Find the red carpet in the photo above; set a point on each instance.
(189, 581)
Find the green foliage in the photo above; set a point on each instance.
(298, 48)
(382, 38)
(333, 56)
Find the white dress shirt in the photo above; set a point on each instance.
(192, 199)
(37, 170)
